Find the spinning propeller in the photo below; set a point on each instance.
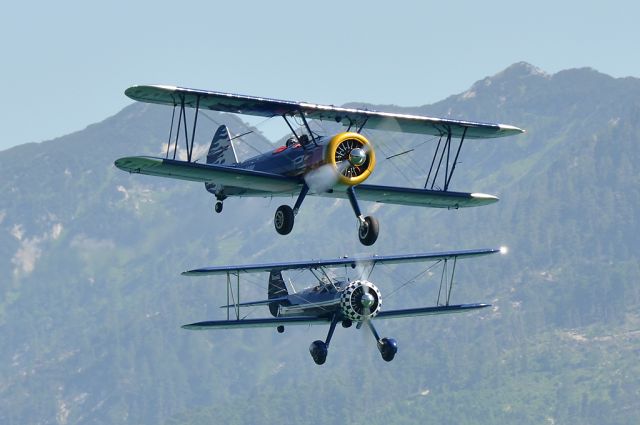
(349, 160)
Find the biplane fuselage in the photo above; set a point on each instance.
(292, 160)
(318, 301)
(342, 299)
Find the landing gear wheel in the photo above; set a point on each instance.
(318, 350)
(368, 231)
(218, 207)
(283, 219)
(280, 329)
(388, 348)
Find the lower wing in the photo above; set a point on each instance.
(426, 311)
(255, 323)
(416, 197)
(260, 183)
(253, 181)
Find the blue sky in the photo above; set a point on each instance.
(65, 64)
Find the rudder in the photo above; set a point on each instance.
(277, 289)
(221, 150)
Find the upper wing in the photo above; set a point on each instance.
(255, 323)
(338, 262)
(425, 311)
(416, 197)
(228, 176)
(252, 105)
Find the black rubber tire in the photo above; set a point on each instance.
(218, 207)
(388, 348)
(319, 351)
(283, 219)
(368, 233)
(388, 357)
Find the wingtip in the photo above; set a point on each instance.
(133, 92)
(121, 163)
(509, 130)
(190, 327)
(477, 305)
(485, 198)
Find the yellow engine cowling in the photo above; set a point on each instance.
(352, 156)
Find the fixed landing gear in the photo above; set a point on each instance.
(280, 329)
(220, 197)
(283, 219)
(285, 215)
(319, 349)
(368, 230)
(369, 226)
(388, 347)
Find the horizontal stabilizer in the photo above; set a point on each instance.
(256, 303)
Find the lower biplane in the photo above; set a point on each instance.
(310, 163)
(332, 300)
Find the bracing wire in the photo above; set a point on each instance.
(413, 279)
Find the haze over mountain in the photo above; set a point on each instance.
(92, 299)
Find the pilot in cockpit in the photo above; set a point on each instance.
(304, 140)
(293, 142)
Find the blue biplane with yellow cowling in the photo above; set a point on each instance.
(310, 163)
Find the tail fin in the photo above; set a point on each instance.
(277, 289)
(221, 150)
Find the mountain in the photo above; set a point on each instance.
(91, 297)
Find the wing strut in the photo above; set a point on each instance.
(446, 149)
(306, 124)
(446, 282)
(182, 121)
(284, 116)
(231, 296)
(359, 129)
(173, 116)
